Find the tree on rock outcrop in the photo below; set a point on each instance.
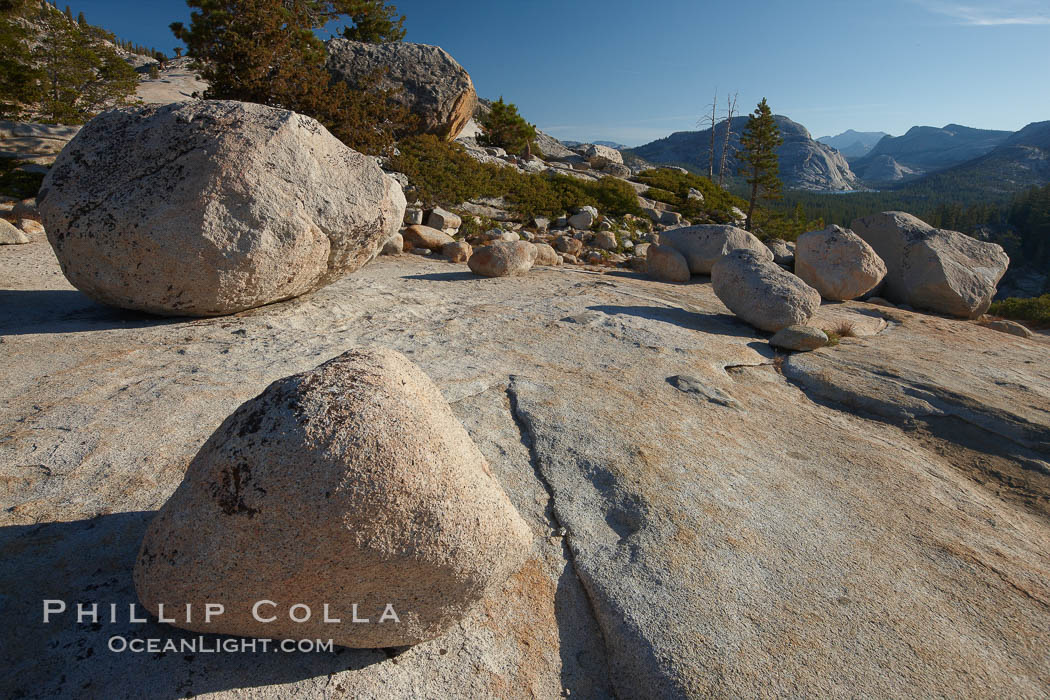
(760, 140)
(267, 52)
(505, 128)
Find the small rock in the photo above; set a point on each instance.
(413, 217)
(602, 156)
(9, 235)
(584, 218)
(616, 170)
(31, 226)
(395, 245)
(419, 251)
(800, 338)
(540, 223)
(641, 248)
(567, 244)
(783, 251)
(1011, 327)
(503, 258)
(456, 251)
(594, 258)
(443, 220)
(545, 255)
(605, 240)
(879, 301)
(26, 209)
(425, 237)
(667, 264)
(569, 259)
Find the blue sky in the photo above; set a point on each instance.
(631, 71)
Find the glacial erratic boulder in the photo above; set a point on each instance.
(783, 251)
(503, 258)
(207, 208)
(456, 251)
(761, 292)
(799, 338)
(933, 269)
(315, 494)
(600, 156)
(545, 255)
(419, 236)
(425, 78)
(666, 264)
(838, 263)
(703, 245)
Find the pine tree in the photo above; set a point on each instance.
(760, 164)
(81, 20)
(505, 128)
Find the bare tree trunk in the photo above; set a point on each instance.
(730, 111)
(710, 121)
(754, 198)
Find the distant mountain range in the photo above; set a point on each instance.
(925, 149)
(1019, 161)
(804, 163)
(954, 159)
(610, 144)
(853, 144)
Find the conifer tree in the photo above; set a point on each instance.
(505, 128)
(267, 52)
(760, 164)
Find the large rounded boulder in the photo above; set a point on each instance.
(703, 245)
(838, 263)
(933, 269)
(761, 292)
(207, 208)
(424, 78)
(347, 491)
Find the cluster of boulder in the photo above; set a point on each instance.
(581, 237)
(776, 285)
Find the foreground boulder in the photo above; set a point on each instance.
(933, 269)
(703, 245)
(425, 79)
(503, 258)
(761, 292)
(315, 494)
(838, 263)
(209, 207)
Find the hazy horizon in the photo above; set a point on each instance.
(630, 73)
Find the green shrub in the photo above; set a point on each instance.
(672, 187)
(1035, 309)
(443, 173)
